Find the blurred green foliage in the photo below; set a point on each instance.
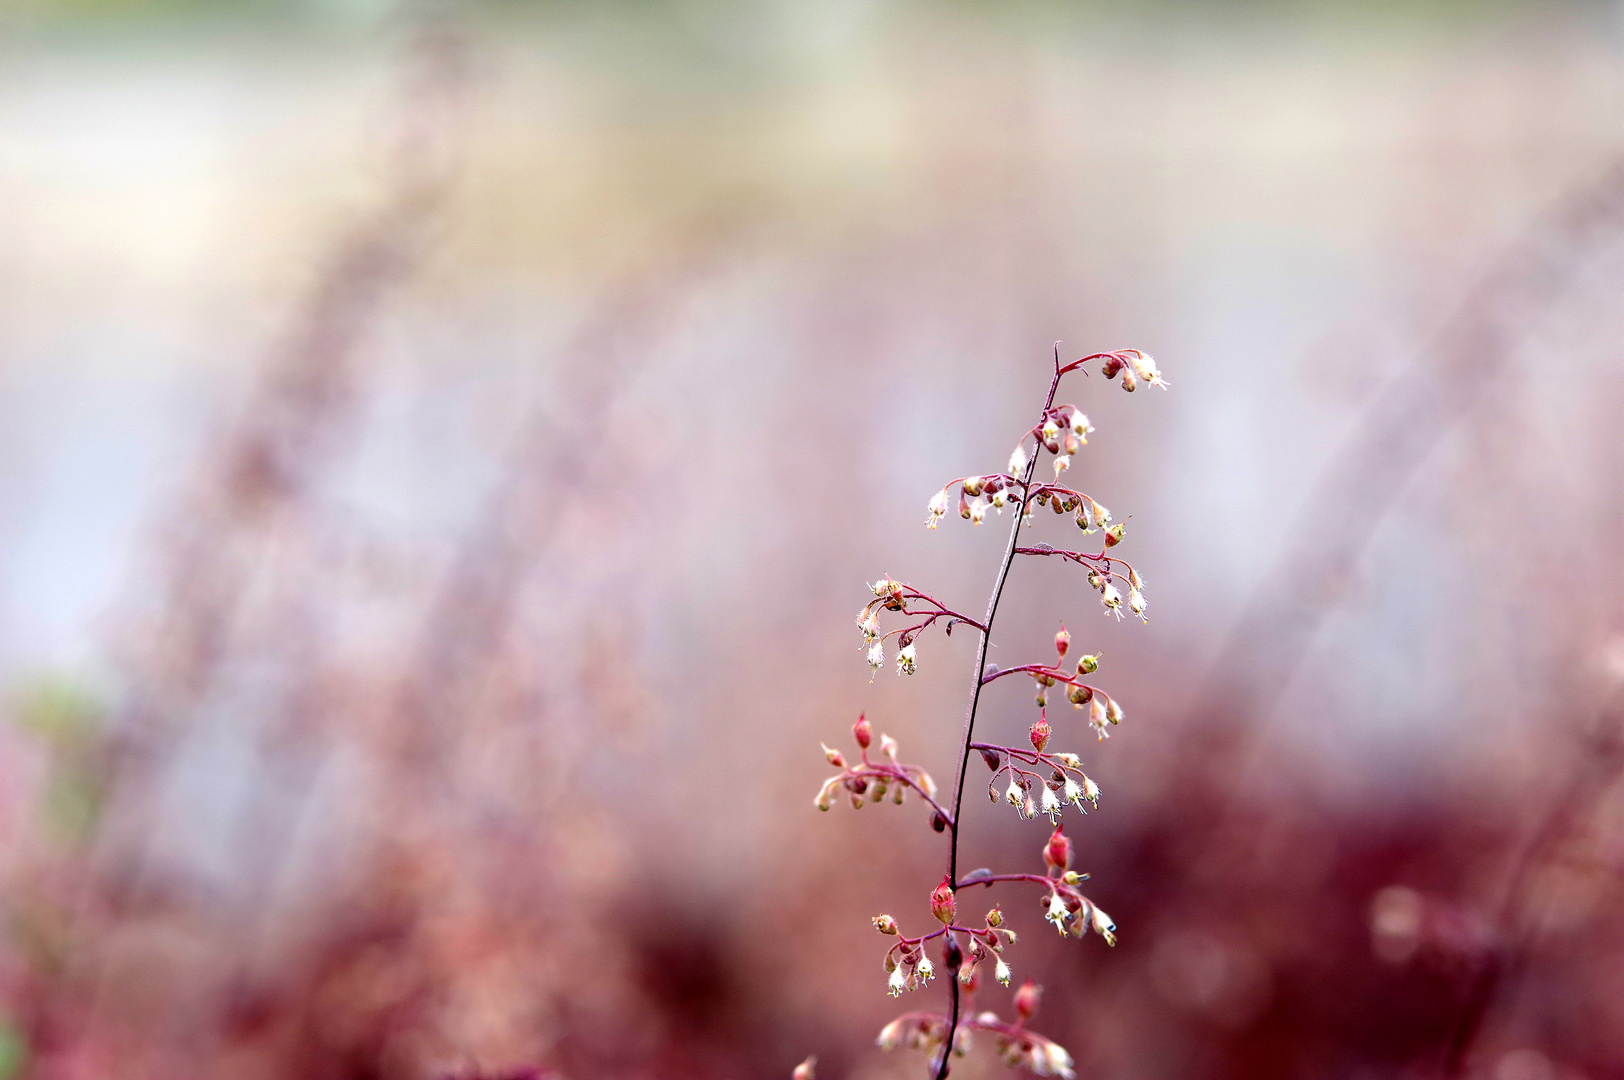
(69, 721)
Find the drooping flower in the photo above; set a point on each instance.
(937, 507)
(1050, 805)
(906, 660)
(897, 983)
(1057, 912)
(1017, 461)
(1146, 369)
(1102, 924)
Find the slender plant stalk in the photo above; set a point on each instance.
(970, 947)
(976, 683)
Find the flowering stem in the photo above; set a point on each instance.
(975, 700)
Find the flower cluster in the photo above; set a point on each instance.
(875, 780)
(1134, 367)
(1018, 1047)
(893, 595)
(965, 949)
(1066, 785)
(1035, 781)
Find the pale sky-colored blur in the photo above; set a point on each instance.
(875, 216)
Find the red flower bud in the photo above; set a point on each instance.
(862, 732)
(1040, 734)
(942, 902)
(1062, 641)
(1026, 999)
(1057, 852)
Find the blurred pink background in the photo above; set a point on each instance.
(443, 448)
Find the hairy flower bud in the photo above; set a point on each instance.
(1088, 664)
(995, 917)
(1027, 998)
(1145, 368)
(907, 661)
(834, 756)
(973, 485)
(990, 758)
(1057, 852)
(888, 747)
(1096, 716)
(1017, 461)
(1040, 735)
(1080, 695)
(1102, 924)
(943, 904)
(1050, 805)
(1062, 641)
(1113, 535)
(861, 731)
(885, 924)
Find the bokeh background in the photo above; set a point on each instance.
(442, 448)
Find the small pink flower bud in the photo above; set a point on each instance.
(991, 759)
(943, 905)
(1088, 664)
(1026, 999)
(806, 1070)
(863, 733)
(1113, 535)
(1040, 735)
(995, 917)
(885, 924)
(834, 756)
(1057, 852)
(1062, 641)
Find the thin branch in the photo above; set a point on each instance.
(975, 700)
